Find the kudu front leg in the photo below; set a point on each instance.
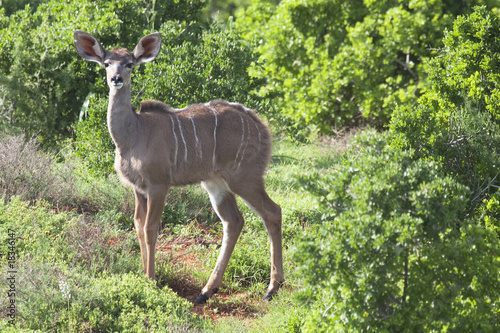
(155, 203)
(141, 210)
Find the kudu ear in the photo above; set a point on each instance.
(148, 48)
(88, 47)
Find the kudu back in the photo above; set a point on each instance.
(224, 146)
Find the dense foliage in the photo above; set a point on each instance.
(395, 252)
(410, 237)
(406, 234)
(457, 122)
(335, 63)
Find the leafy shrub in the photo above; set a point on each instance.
(395, 252)
(127, 303)
(93, 143)
(38, 229)
(334, 63)
(35, 236)
(490, 212)
(457, 121)
(12, 6)
(201, 65)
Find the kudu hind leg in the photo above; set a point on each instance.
(226, 207)
(255, 196)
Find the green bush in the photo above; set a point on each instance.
(457, 122)
(197, 66)
(39, 230)
(395, 252)
(11, 6)
(93, 142)
(490, 212)
(126, 303)
(336, 63)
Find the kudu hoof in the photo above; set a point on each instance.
(268, 296)
(201, 299)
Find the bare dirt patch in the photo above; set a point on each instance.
(178, 248)
(177, 252)
(230, 305)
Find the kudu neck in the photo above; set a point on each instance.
(122, 120)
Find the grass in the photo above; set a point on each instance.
(78, 264)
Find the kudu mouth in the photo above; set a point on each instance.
(116, 82)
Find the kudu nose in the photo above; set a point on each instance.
(117, 79)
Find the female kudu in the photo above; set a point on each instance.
(225, 146)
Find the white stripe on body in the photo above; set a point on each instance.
(215, 131)
(255, 124)
(183, 140)
(242, 141)
(176, 140)
(258, 131)
(199, 153)
(238, 104)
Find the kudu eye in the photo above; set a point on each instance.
(129, 65)
(106, 64)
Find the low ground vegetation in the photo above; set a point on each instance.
(87, 258)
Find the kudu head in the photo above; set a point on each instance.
(118, 62)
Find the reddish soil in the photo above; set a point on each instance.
(230, 305)
(224, 304)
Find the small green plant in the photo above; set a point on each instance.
(65, 291)
(127, 303)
